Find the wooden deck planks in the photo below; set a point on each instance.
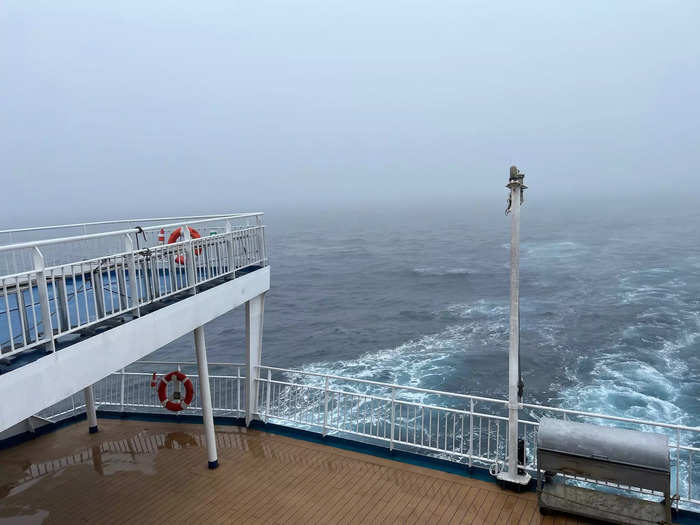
(128, 474)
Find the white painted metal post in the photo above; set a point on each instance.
(61, 301)
(205, 394)
(44, 298)
(131, 267)
(269, 386)
(325, 407)
(393, 418)
(254, 310)
(231, 264)
(121, 397)
(471, 431)
(90, 409)
(516, 186)
(189, 259)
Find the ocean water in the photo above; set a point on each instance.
(610, 304)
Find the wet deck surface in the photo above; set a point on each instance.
(152, 472)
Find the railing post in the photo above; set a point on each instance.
(231, 263)
(678, 466)
(393, 417)
(61, 302)
(238, 389)
(189, 259)
(690, 474)
(24, 320)
(269, 385)
(471, 431)
(325, 407)
(121, 285)
(131, 267)
(43, 297)
(99, 291)
(261, 232)
(121, 400)
(155, 276)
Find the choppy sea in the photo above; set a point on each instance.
(610, 304)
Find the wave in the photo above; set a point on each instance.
(548, 249)
(428, 361)
(639, 376)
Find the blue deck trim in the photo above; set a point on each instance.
(683, 517)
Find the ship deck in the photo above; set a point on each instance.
(147, 472)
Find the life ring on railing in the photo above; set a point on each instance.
(175, 402)
(175, 236)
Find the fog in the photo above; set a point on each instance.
(117, 109)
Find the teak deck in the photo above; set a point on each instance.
(156, 472)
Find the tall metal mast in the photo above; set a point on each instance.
(517, 188)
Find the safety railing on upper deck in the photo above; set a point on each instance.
(466, 429)
(68, 284)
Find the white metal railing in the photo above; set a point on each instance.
(459, 427)
(60, 244)
(129, 390)
(470, 430)
(66, 290)
(62, 231)
(398, 416)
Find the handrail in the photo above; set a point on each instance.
(59, 240)
(186, 363)
(486, 399)
(116, 221)
(387, 385)
(614, 418)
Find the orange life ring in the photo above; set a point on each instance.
(175, 402)
(175, 236)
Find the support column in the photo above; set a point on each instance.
(254, 310)
(512, 476)
(90, 409)
(205, 395)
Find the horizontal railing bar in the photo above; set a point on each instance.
(387, 385)
(386, 399)
(99, 223)
(149, 374)
(184, 363)
(614, 418)
(59, 240)
(479, 398)
(172, 247)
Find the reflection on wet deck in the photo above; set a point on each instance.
(147, 472)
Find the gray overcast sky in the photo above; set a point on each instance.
(113, 109)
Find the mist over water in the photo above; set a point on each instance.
(610, 305)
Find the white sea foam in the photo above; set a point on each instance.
(550, 249)
(624, 384)
(438, 271)
(427, 361)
